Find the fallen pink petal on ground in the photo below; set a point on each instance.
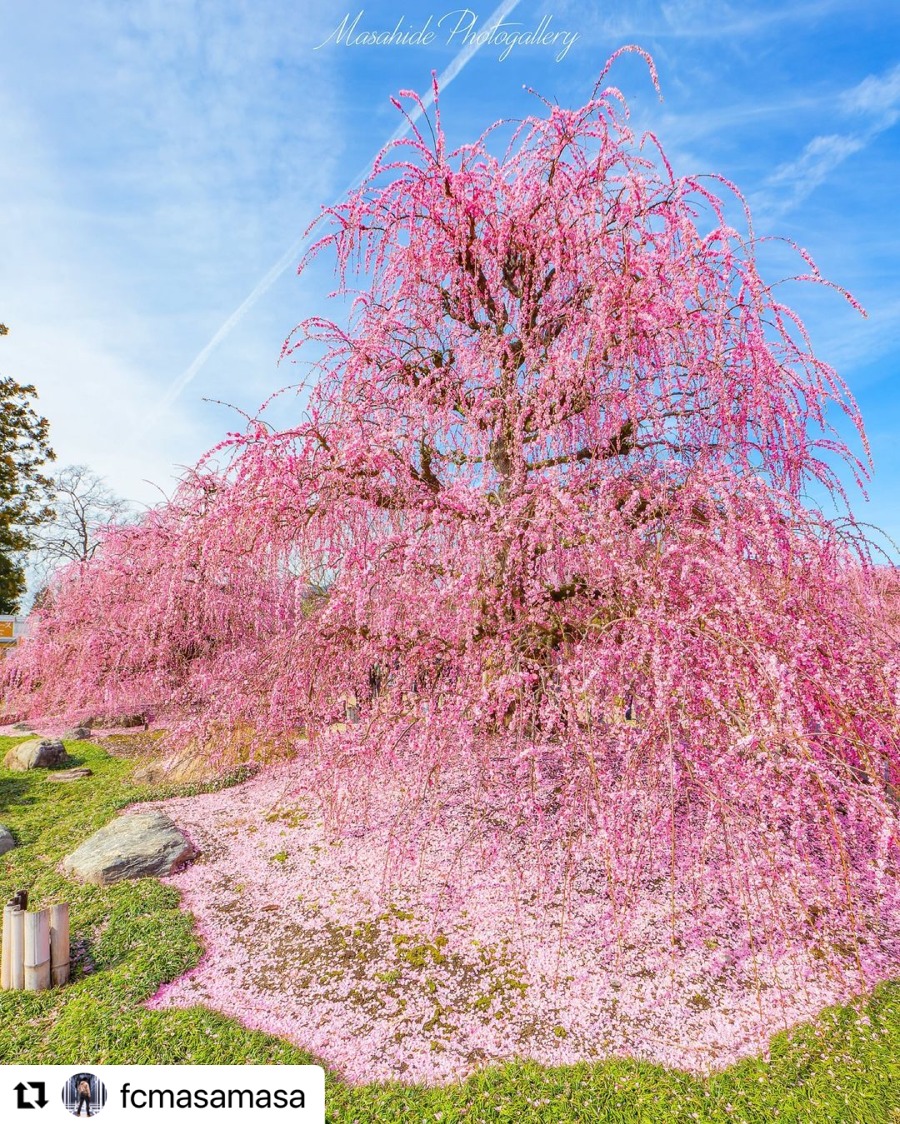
(432, 978)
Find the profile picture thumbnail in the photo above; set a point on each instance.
(84, 1094)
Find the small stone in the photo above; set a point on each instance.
(36, 753)
(133, 846)
(6, 840)
(79, 734)
(63, 775)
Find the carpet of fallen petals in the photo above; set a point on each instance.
(423, 962)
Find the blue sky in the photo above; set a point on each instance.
(160, 157)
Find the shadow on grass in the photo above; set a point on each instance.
(14, 791)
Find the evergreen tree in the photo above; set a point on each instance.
(23, 489)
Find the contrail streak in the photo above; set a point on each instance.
(292, 254)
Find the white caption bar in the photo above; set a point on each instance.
(57, 1094)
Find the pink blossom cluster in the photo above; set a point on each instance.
(543, 531)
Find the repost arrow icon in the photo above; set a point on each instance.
(21, 1089)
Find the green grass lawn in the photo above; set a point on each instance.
(129, 938)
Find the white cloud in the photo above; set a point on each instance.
(876, 98)
(878, 95)
(814, 164)
(644, 20)
(156, 153)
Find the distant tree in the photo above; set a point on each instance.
(23, 488)
(83, 507)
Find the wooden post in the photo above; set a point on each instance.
(37, 950)
(59, 944)
(6, 964)
(17, 951)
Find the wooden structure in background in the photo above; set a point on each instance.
(12, 629)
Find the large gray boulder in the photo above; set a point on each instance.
(138, 845)
(36, 753)
(6, 840)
